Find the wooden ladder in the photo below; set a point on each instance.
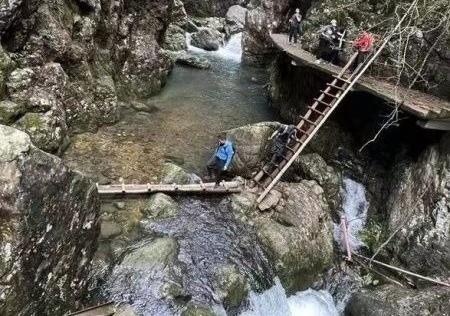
(309, 125)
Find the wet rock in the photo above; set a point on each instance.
(243, 204)
(314, 167)
(42, 200)
(143, 272)
(208, 8)
(161, 206)
(46, 130)
(10, 112)
(418, 206)
(251, 143)
(175, 39)
(231, 286)
(109, 229)
(172, 173)
(119, 205)
(235, 18)
(298, 236)
(197, 310)
(144, 107)
(193, 61)
(391, 300)
(190, 27)
(207, 39)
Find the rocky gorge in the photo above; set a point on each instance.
(82, 80)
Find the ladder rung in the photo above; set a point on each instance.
(308, 121)
(277, 166)
(317, 111)
(290, 149)
(329, 94)
(322, 102)
(336, 87)
(267, 174)
(302, 131)
(342, 79)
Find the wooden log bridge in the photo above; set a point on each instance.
(197, 188)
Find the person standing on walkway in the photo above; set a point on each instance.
(329, 43)
(294, 26)
(221, 160)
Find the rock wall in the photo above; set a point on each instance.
(65, 64)
(419, 209)
(48, 225)
(206, 8)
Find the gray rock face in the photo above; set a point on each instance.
(206, 8)
(251, 142)
(207, 39)
(172, 173)
(161, 206)
(419, 205)
(41, 200)
(175, 38)
(77, 58)
(298, 235)
(10, 111)
(390, 300)
(235, 18)
(193, 61)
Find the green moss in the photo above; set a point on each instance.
(374, 235)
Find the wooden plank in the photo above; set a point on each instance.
(417, 103)
(125, 189)
(106, 309)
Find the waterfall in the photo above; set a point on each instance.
(355, 206)
(232, 50)
(274, 302)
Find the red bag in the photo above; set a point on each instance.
(364, 42)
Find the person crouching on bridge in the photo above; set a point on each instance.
(294, 26)
(221, 160)
(329, 43)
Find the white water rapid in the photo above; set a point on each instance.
(274, 302)
(355, 206)
(232, 49)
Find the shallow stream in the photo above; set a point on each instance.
(185, 119)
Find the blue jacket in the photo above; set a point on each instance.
(225, 152)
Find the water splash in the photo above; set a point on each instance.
(355, 206)
(232, 50)
(274, 302)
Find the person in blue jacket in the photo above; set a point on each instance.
(222, 158)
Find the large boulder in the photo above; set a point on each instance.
(394, 301)
(206, 8)
(231, 286)
(49, 217)
(235, 18)
(313, 167)
(171, 173)
(146, 276)
(161, 205)
(419, 211)
(251, 143)
(47, 130)
(298, 235)
(207, 39)
(175, 39)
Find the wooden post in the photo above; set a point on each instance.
(345, 235)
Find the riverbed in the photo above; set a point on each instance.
(184, 120)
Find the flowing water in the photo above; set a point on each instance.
(274, 302)
(355, 206)
(190, 111)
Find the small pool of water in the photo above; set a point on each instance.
(191, 110)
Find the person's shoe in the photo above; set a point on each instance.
(216, 185)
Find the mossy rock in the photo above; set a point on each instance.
(231, 286)
(172, 173)
(10, 112)
(161, 205)
(197, 310)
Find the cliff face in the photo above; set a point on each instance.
(206, 8)
(48, 225)
(65, 64)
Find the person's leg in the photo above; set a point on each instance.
(291, 33)
(211, 166)
(295, 35)
(219, 170)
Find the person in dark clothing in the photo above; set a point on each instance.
(283, 137)
(329, 40)
(221, 160)
(294, 26)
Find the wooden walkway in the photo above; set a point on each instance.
(424, 106)
(139, 189)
